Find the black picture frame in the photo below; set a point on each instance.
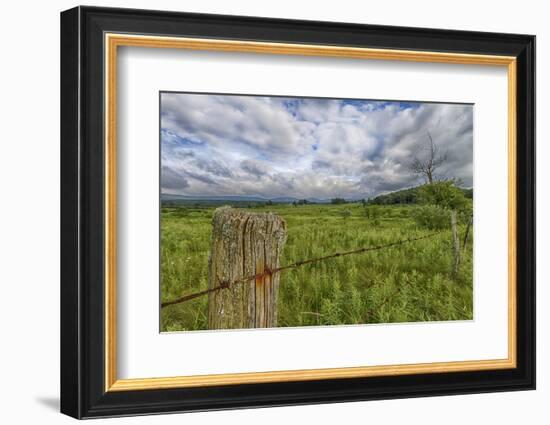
(83, 392)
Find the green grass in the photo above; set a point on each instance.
(408, 283)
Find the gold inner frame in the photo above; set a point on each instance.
(113, 41)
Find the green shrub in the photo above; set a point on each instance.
(444, 194)
(345, 214)
(372, 212)
(431, 217)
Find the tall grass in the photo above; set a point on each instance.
(406, 283)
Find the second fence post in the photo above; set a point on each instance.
(456, 242)
(244, 244)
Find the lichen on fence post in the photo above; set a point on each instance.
(244, 244)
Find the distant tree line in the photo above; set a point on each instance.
(301, 202)
(338, 201)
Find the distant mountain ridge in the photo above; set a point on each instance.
(237, 198)
(403, 196)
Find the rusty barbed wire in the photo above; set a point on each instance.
(269, 272)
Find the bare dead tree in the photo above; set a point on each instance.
(427, 167)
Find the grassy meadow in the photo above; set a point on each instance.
(407, 283)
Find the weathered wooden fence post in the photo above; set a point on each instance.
(456, 242)
(244, 244)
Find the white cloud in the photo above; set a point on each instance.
(272, 146)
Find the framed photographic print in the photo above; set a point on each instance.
(261, 212)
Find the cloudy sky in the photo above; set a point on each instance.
(304, 147)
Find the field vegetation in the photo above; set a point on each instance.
(406, 283)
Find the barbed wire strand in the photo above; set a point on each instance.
(268, 272)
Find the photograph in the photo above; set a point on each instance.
(286, 210)
(299, 211)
